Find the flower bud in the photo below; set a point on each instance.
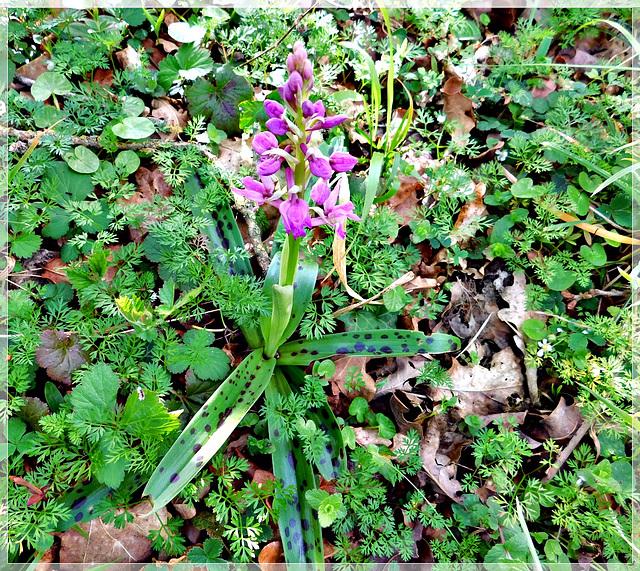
(269, 165)
(320, 191)
(308, 108)
(293, 87)
(319, 165)
(273, 109)
(307, 70)
(264, 142)
(342, 162)
(291, 66)
(333, 121)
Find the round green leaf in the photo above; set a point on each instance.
(535, 329)
(47, 116)
(50, 83)
(134, 128)
(82, 160)
(581, 200)
(132, 106)
(561, 280)
(595, 255)
(524, 188)
(127, 162)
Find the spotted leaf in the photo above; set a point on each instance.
(209, 428)
(334, 457)
(300, 530)
(380, 342)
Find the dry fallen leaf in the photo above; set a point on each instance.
(129, 58)
(366, 436)
(174, 118)
(102, 542)
(34, 69)
(408, 368)
(405, 201)
(548, 86)
(339, 377)
(439, 467)
(151, 183)
(168, 45)
(458, 107)
(54, 271)
(270, 555)
(471, 211)
(563, 421)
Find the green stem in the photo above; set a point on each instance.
(290, 254)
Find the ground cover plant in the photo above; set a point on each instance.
(322, 285)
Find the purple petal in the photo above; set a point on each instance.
(307, 70)
(308, 108)
(295, 216)
(264, 142)
(342, 162)
(269, 165)
(273, 109)
(250, 194)
(277, 126)
(293, 87)
(291, 66)
(319, 108)
(334, 120)
(320, 166)
(320, 192)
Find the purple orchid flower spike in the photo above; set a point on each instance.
(264, 142)
(295, 216)
(342, 162)
(336, 215)
(256, 191)
(277, 126)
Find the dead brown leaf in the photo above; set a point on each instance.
(234, 153)
(408, 368)
(155, 55)
(103, 77)
(440, 468)
(129, 58)
(458, 107)
(366, 436)
(54, 271)
(406, 404)
(34, 69)
(548, 86)
(168, 45)
(340, 376)
(102, 542)
(405, 201)
(270, 555)
(174, 118)
(471, 211)
(152, 182)
(563, 421)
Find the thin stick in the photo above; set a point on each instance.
(566, 453)
(477, 334)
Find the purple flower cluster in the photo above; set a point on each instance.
(296, 120)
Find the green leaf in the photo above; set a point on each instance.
(189, 62)
(134, 128)
(359, 407)
(282, 298)
(127, 162)
(82, 160)
(209, 428)
(595, 255)
(524, 188)
(388, 343)
(25, 245)
(331, 509)
(562, 279)
(67, 182)
(47, 116)
(61, 354)
(147, 417)
(132, 106)
(207, 362)
(395, 299)
(581, 200)
(299, 528)
(219, 101)
(386, 428)
(93, 400)
(535, 329)
(334, 458)
(578, 341)
(53, 397)
(58, 226)
(50, 83)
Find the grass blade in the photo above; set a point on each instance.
(388, 343)
(209, 428)
(373, 182)
(622, 172)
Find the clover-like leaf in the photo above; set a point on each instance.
(82, 160)
(205, 361)
(61, 354)
(50, 83)
(219, 101)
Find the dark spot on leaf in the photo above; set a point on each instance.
(421, 351)
(324, 413)
(78, 503)
(292, 522)
(294, 353)
(208, 428)
(405, 348)
(196, 447)
(368, 336)
(252, 377)
(296, 442)
(304, 351)
(359, 346)
(276, 432)
(287, 531)
(79, 516)
(205, 414)
(356, 336)
(371, 349)
(192, 431)
(161, 469)
(289, 546)
(297, 537)
(314, 352)
(342, 350)
(182, 441)
(386, 349)
(429, 340)
(174, 478)
(384, 336)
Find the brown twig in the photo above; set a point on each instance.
(255, 235)
(566, 453)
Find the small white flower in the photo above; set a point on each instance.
(559, 329)
(153, 296)
(51, 65)
(140, 393)
(441, 117)
(580, 481)
(545, 347)
(502, 154)
(586, 332)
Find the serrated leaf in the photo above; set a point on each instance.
(58, 226)
(207, 362)
(49, 83)
(134, 128)
(60, 353)
(190, 62)
(209, 428)
(25, 245)
(82, 160)
(387, 343)
(219, 101)
(93, 400)
(147, 417)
